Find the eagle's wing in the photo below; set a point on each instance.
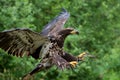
(21, 42)
(56, 24)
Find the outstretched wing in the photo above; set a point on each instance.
(56, 24)
(21, 42)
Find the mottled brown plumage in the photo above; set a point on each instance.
(20, 42)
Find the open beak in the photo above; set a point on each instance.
(74, 32)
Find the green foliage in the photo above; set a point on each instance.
(99, 26)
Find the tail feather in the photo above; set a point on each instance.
(27, 77)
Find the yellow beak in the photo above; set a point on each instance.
(74, 32)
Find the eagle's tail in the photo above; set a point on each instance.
(45, 64)
(27, 77)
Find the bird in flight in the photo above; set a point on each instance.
(46, 45)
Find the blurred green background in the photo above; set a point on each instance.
(98, 22)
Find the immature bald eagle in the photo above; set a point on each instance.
(47, 45)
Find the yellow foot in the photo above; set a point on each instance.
(73, 63)
(81, 56)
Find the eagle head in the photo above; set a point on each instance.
(67, 31)
(61, 35)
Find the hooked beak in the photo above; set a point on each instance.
(74, 32)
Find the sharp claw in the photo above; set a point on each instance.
(81, 56)
(73, 63)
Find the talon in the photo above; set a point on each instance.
(81, 56)
(73, 63)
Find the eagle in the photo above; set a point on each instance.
(46, 45)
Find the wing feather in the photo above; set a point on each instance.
(21, 42)
(56, 24)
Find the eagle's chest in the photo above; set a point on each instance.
(49, 50)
